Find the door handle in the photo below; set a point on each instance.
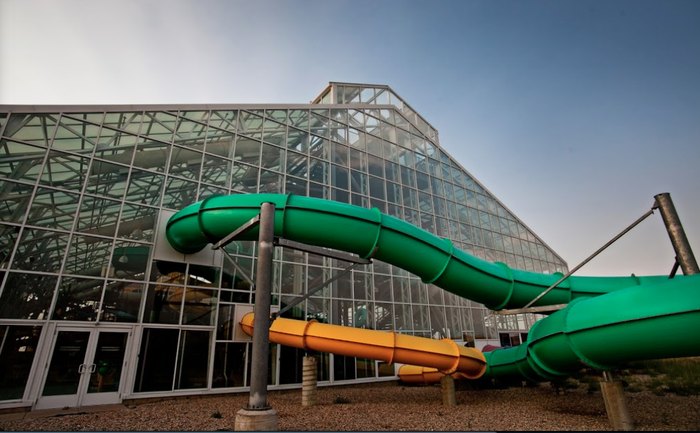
(92, 368)
(81, 368)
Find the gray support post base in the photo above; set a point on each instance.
(256, 420)
(308, 386)
(615, 404)
(447, 383)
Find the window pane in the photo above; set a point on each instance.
(78, 299)
(192, 360)
(40, 250)
(157, 361)
(16, 357)
(52, 209)
(27, 296)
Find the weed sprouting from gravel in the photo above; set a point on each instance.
(341, 400)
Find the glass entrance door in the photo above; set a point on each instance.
(85, 367)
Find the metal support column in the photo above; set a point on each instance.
(684, 254)
(259, 416)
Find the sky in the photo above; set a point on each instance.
(574, 114)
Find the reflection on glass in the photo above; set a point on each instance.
(229, 365)
(121, 301)
(78, 299)
(192, 362)
(88, 255)
(157, 361)
(199, 306)
(16, 357)
(108, 361)
(68, 356)
(40, 250)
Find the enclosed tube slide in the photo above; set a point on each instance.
(445, 356)
(610, 320)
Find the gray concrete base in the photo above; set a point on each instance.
(256, 420)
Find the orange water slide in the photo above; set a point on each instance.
(445, 356)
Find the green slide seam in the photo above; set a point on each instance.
(448, 260)
(509, 295)
(376, 213)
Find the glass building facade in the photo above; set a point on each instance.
(96, 307)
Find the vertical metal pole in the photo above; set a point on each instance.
(684, 254)
(263, 283)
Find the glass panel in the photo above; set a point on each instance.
(299, 118)
(69, 350)
(115, 146)
(274, 132)
(157, 360)
(343, 367)
(384, 316)
(318, 170)
(189, 132)
(20, 161)
(78, 299)
(163, 304)
(31, 128)
(272, 157)
(192, 360)
(199, 307)
(145, 187)
(247, 150)
(382, 287)
(362, 285)
(98, 215)
(151, 155)
(40, 250)
(179, 193)
(365, 368)
(420, 317)
(107, 179)
(136, 222)
(109, 358)
(75, 136)
(232, 278)
(17, 351)
(224, 119)
(220, 143)
(185, 163)
(16, 199)
(250, 124)
(8, 237)
(297, 164)
(159, 126)
(27, 296)
(88, 255)
(244, 178)
(229, 365)
(64, 171)
(53, 209)
(121, 302)
(298, 140)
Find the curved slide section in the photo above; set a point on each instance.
(637, 323)
(609, 320)
(369, 233)
(445, 356)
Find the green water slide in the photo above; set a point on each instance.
(608, 320)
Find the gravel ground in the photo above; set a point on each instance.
(383, 407)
